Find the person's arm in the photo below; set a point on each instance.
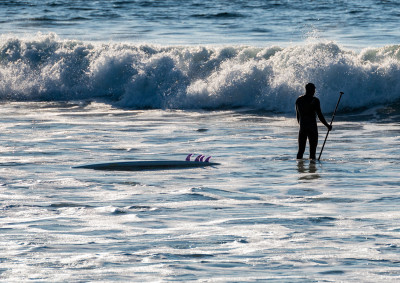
(297, 114)
(320, 115)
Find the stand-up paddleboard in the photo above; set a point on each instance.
(151, 165)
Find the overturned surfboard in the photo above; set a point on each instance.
(149, 165)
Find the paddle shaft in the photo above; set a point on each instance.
(333, 117)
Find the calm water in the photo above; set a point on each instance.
(85, 82)
(256, 22)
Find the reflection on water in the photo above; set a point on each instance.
(308, 170)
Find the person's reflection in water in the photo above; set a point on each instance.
(310, 171)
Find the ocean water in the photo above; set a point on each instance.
(85, 82)
(357, 23)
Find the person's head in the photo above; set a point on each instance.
(310, 89)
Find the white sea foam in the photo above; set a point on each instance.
(47, 68)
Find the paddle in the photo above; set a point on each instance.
(333, 117)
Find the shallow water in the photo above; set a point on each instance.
(259, 215)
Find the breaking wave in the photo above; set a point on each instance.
(47, 68)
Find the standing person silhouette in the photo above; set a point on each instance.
(307, 108)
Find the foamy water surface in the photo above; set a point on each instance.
(259, 215)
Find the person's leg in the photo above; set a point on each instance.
(313, 140)
(302, 140)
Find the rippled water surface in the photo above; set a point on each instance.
(259, 215)
(86, 82)
(353, 23)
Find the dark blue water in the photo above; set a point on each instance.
(352, 23)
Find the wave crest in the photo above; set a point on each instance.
(186, 77)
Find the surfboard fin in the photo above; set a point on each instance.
(199, 158)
